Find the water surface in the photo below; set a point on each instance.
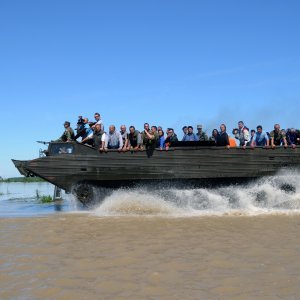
(234, 242)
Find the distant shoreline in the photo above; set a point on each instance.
(23, 179)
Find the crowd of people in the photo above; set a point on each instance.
(93, 134)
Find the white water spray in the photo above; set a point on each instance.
(270, 195)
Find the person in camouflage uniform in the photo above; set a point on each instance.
(149, 138)
(201, 134)
(68, 134)
(277, 137)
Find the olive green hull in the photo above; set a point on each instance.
(202, 164)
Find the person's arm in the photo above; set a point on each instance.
(227, 142)
(253, 143)
(139, 141)
(267, 141)
(272, 139)
(120, 141)
(149, 135)
(102, 144)
(246, 137)
(106, 142)
(284, 142)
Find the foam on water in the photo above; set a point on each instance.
(264, 196)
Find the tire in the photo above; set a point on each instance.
(84, 192)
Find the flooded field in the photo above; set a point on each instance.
(238, 242)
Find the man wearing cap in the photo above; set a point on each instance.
(201, 134)
(68, 135)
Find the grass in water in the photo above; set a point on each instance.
(46, 199)
(43, 198)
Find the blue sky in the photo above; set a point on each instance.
(168, 63)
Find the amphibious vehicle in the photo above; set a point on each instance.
(78, 168)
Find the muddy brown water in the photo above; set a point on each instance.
(81, 256)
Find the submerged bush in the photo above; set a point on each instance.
(46, 199)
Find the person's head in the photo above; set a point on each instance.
(85, 120)
(112, 128)
(159, 128)
(223, 128)
(160, 132)
(214, 132)
(67, 124)
(235, 131)
(170, 131)
(240, 124)
(190, 129)
(97, 127)
(199, 128)
(253, 132)
(293, 130)
(131, 129)
(153, 128)
(277, 127)
(146, 126)
(185, 129)
(123, 128)
(97, 116)
(259, 129)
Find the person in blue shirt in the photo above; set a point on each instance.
(161, 140)
(260, 138)
(190, 136)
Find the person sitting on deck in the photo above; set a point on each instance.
(260, 138)
(292, 137)
(98, 138)
(68, 134)
(171, 138)
(134, 139)
(98, 121)
(148, 138)
(243, 134)
(190, 136)
(214, 135)
(223, 139)
(277, 137)
(185, 131)
(201, 134)
(124, 135)
(113, 139)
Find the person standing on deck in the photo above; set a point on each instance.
(201, 134)
(223, 138)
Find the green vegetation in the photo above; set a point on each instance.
(23, 179)
(44, 198)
